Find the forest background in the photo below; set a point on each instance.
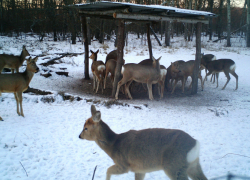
(56, 17)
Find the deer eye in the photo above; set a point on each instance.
(85, 129)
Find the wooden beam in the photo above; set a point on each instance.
(158, 18)
(149, 42)
(86, 47)
(197, 60)
(120, 46)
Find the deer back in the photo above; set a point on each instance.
(220, 65)
(142, 73)
(11, 61)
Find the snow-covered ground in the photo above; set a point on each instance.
(45, 144)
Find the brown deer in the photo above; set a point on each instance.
(17, 83)
(140, 73)
(222, 65)
(171, 71)
(204, 59)
(186, 69)
(110, 68)
(111, 55)
(13, 62)
(173, 151)
(98, 70)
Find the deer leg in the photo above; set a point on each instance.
(20, 97)
(217, 76)
(93, 82)
(183, 83)
(17, 104)
(105, 78)
(236, 77)
(139, 176)
(195, 172)
(149, 85)
(127, 89)
(98, 82)
(120, 83)
(175, 82)
(115, 169)
(228, 79)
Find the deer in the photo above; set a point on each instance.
(171, 71)
(186, 69)
(17, 83)
(139, 73)
(222, 65)
(98, 70)
(161, 81)
(13, 62)
(171, 150)
(206, 58)
(110, 68)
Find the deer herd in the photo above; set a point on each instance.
(173, 151)
(149, 71)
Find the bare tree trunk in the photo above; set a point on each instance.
(228, 23)
(219, 21)
(248, 23)
(167, 33)
(211, 2)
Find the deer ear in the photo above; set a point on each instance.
(96, 115)
(91, 51)
(159, 58)
(35, 59)
(97, 51)
(24, 47)
(29, 60)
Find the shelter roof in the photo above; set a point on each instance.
(130, 11)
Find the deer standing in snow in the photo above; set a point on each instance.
(140, 73)
(173, 151)
(222, 65)
(17, 83)
(98, 70)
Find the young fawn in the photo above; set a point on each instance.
(17, 83)
(173, 151)
(13, 62)
(222, 65)
(98, 70)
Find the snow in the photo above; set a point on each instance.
(45, 143)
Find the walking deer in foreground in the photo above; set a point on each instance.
(17, 83)
(13, 62)
(173, 151)
(139, 73)
(222, 65)
(98, 70)
(186, 69)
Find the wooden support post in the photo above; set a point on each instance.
(86, 47)
(149, 42)
(120, 46)
(197, 59)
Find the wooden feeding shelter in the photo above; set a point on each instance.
(147, 13)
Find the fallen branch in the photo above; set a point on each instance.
(94, 173)
(52, 61)
(37, 91)
(24, 169)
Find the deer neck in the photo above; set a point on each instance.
(105, 138)
(28, 75)
(22, 57)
